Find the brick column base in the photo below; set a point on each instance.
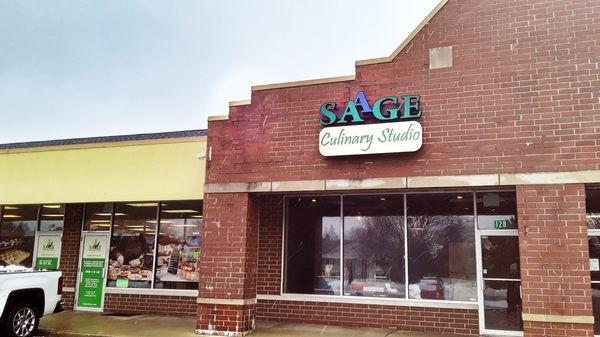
(225, 319)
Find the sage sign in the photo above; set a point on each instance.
(399, 133)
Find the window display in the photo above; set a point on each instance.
(17, 234)
(131, 255)
(374, 246)
(441, 247)
(313, 245)
(178, 245)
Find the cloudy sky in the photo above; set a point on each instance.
(89, 68)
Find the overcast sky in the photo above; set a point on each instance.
(90, 68)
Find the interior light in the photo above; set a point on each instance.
(161, 221)
(593, 215)
(100, 221)
(314, 200)
(53, 215)
(197, 216)
(108, 214)
(142, 204)
(459, 197)
(11, 207)
(11, 216)
(179, 211)
(184, 225)
(382, 199)
(51, 206)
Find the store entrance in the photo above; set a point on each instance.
(92, 271)
(500, 304)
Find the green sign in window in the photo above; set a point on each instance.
(501, 224)
(48, 252)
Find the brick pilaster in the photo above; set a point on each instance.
(69, 254)
(554, 260)
(227, 289)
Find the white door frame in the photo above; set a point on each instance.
(480, 280)
(80, 274)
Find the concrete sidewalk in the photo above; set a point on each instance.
(78, 324)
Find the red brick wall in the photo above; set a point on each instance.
(522, 96)
(269, 245)
(150, 304)
(456, 321)
(71, 237)
(229, 261)
(554, 257)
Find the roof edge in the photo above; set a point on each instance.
(141, 138)
(303, 83)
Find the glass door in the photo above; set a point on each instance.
(500, 307)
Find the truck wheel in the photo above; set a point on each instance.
(22, 320)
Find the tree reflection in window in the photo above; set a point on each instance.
(441, 247)
(374, 246)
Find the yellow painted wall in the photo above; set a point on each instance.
(169, 170)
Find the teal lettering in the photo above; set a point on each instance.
(351, 112)
(377, 108)
(328, 116)
(410, 106)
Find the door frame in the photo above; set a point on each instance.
(76, 307)
(481, 283)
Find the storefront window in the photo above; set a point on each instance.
(52, 218)
(441, 247)
(313, 245)
(98, 217)
(17, 234)
(178, 245)
(132, 245)
(592, 204)
(496, 210)
(374, 246)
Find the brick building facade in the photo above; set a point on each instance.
(490, 226)
(510, 100)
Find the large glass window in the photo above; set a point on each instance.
(132, 245)
(52, 218)
(313, 245)
(374, 246)
(441, 247)
(437, 230)
(98, 217)
(139, 255)
(178, 245)
(17, 234)
(496, 210)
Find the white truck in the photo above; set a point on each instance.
(25, 296)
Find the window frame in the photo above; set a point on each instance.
(382, 300)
